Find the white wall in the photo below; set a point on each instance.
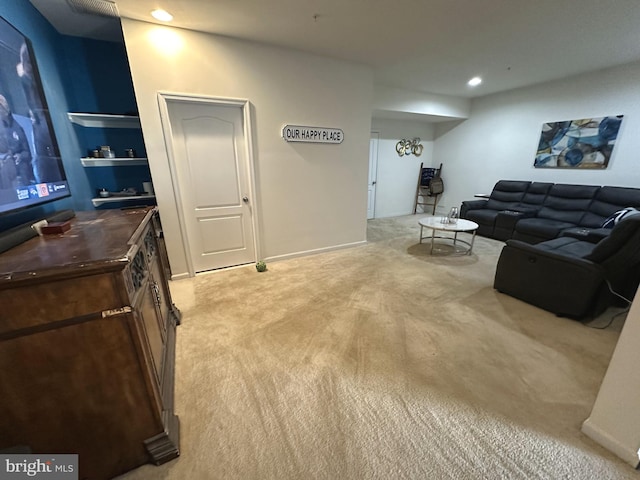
(310, 197)
(390, 99)
(500, 138)
(615, 418)
(398, 176)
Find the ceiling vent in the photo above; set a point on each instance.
(103, 8)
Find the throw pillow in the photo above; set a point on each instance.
(619, 215)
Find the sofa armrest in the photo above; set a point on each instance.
(525, 212)
(505, 223)
(509, 218)
(563, 284)
(536, 251)
(471, 205)
(592, 235)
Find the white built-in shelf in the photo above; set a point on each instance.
(112, 162)
(102, 200)
(104, 120)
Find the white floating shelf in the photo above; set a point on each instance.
(100, 120)
(100, 201)
(112, 162)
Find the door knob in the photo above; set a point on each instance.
(245, 199)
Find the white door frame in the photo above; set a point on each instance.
(373, 161)
(163, 99)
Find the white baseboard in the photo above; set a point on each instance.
(304, 253)
(180, 276)
(393, 214)
(627, 454)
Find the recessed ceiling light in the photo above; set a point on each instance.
(474, 82)
(162, 15)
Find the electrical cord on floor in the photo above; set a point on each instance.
(616, 315)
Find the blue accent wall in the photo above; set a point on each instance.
(78, 75)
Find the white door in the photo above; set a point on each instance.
(373, 174)
(210, 160)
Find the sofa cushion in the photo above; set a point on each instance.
(593, 235)
(544, 228)
(607, 201)
(618, 216)
(619, 196)
(618, 237)
(536, 193)
(507, 194)
(567, 246)
(568, 203)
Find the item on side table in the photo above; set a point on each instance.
(56, 227)
(453, 215)
(106, 152)
(148, 188)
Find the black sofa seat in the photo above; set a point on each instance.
(535, 230)
(568, 246)
(572, 277)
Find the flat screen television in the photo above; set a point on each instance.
(31, 170)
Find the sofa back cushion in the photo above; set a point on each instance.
(507, 194)
(607, 201)
(621, 249)
(568, 203)
(535, 195)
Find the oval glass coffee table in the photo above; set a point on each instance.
(435, 224)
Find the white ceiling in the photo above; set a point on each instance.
(431, 46)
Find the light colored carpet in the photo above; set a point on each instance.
(382, 362)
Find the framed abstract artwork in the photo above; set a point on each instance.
(586, 143)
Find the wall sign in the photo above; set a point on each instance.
(299, 133)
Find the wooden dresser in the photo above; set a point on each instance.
(87, 344)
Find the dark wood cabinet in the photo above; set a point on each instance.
(87, 344)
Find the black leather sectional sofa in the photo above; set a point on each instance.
(571, 249)
(536, 211)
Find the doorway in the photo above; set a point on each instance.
(210, 157)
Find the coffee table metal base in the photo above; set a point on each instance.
(453, 229)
